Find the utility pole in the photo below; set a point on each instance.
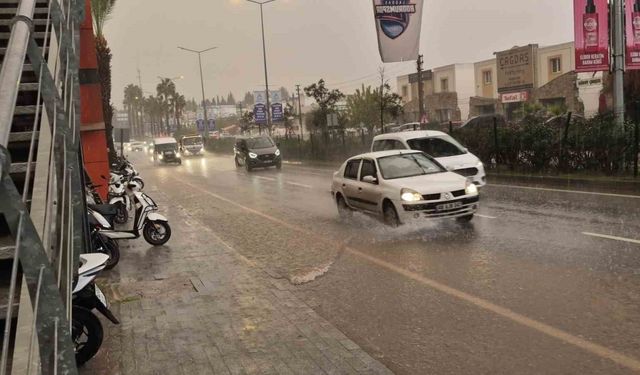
(300, 112)
(420, 88)
(381, 100)
(618, 62)
(204, 105)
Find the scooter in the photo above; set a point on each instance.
(86, 329)
(103, 244)
(151, 225)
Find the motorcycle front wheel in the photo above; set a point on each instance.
(86, 333)
(157, 233)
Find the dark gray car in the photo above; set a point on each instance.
(257, 152)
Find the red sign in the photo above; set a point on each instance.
(591, 25)
(514, 97)
(633, 34)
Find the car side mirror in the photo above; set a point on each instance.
(370, 180)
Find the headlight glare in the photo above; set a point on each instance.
(278, 152)
(409, 195)
(471, 188)
(253, 155)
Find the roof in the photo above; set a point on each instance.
(164, 141)
(382, 154)
(410, 135)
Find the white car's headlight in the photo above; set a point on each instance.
(480, 164)
(409, 195)
(471, 189)
(177, 154)
(252, 155)
(161, 157)
(277, 152)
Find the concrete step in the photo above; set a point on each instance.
(25, 110)
(17, 168)
(22, 136)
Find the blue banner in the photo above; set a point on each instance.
(260, 113)
(277, 114)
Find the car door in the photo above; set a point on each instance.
(369, 194)
(242, 152)
(350, 182)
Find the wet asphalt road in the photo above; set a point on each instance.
(529, 287)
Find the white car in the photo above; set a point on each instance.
(446, 150)
(401, 187)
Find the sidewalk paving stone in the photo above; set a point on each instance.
(196, 306)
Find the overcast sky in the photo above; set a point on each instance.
(308, 40)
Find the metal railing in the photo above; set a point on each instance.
(46, 220)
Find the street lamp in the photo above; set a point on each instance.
(204, 106)
(264, 55)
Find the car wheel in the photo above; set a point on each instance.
(248, 166)
(464, 219)
(279, 165)
(344, 210)
(237, 162)
(390, 215)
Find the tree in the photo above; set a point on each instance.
(100, 12)
(179, 104)
(326, 100)
(166, 91)
(133, 104)
(153, 108)
(284, 93)
(362, 108)
(230, 99)
(248, 99)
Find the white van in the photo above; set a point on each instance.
(441, 146)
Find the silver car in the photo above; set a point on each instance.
(402, 187)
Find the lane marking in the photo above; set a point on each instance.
(486, 216)
(506, 313)
(566, 191)
(266, 178)
(611, 237)
(299, 185)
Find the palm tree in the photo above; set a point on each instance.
(100, 11)
(154, 109)
(179, 104)
(166, 90)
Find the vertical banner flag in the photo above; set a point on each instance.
(260, 107)
(398, 24)
(633, 34)
(591, 25)
(277, 114)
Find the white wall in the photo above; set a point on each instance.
(564, 51)
(479, 68)
(465, 86)
(590, 94)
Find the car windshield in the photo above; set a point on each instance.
(192, 141)
(438, 147)
(407, 165)
(257, 143)
(166, 147)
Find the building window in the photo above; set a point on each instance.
(444, 84)
(556, 65)
(487, 77)
(405, 91)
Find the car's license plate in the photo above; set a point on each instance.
(101, 297)
(448, 206)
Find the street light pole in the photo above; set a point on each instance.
(204, 105)
(264, 56)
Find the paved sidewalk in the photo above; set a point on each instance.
(199, 307)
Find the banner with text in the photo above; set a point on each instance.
(260, 107)
(277, 113)
(633, 35)
(398, 24)
(591, 26)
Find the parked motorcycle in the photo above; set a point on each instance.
(101, 243)
(151, 225)
(86, 330)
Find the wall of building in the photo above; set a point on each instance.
(563, 51)
(483, 89)
(404, 88)
(465, 87)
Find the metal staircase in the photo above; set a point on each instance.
(42, 213)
